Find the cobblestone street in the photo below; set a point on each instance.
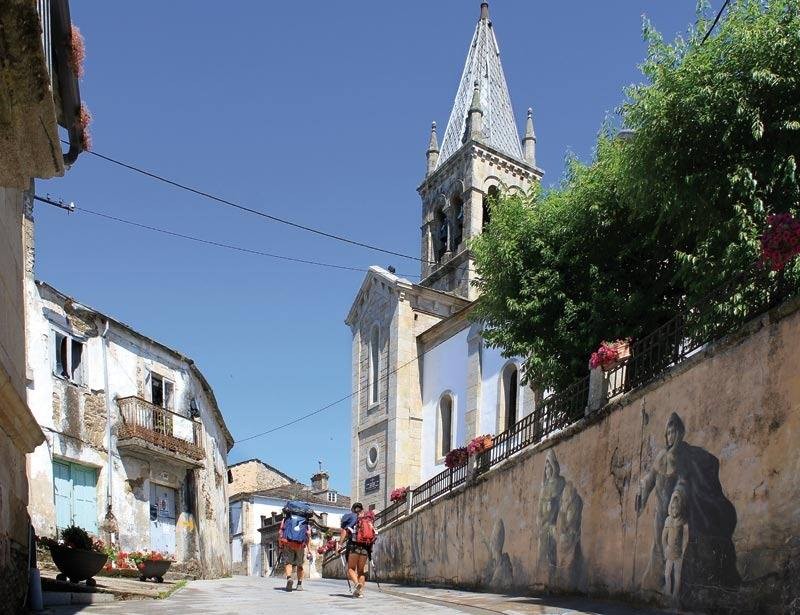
(254, 595)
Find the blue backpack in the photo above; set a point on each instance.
(295, 521)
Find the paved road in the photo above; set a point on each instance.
(255, 595)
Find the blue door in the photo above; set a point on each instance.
(75, 495)
(162, 519)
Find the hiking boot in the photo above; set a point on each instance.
(289, 584)
(358, 592)
(299, 587)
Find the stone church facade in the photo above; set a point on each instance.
(422, 378)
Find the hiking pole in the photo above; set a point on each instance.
(346, 576)
(375, 571)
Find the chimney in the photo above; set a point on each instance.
(319, 482)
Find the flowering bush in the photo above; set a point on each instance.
(479, 444)
(77, 51)
(610, 353)
(328, 546)
(780, 242)
(398, 494)
(457, 457)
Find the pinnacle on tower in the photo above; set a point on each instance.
(432, 154)
(484, 11)
(529, 141)
(474, 128)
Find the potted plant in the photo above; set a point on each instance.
(479, 444)
(456, 458)
(610, 354)
(76, 554)
(151, 564)
(399, 494)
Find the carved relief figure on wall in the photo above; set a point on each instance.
(709, 558)
(560, 559)
(674, 540)
(499, 570)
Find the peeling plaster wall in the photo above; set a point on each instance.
(74, 418)
(563, 515)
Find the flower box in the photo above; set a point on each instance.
(77, 565)
(153, 569)
(456, 458)
(399, 494)
(480, 444)
(610, 354)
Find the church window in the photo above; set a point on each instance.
(372, 457)
(489, 200)
(509, 402)
(458, 219)
(444, 442)
(440, 233)
(374, 364)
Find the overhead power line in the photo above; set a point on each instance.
(716, 21)
(239, 206)
(219, 244)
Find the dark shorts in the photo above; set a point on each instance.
(355, 548)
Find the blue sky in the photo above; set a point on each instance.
(314, 111)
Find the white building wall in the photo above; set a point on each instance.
(444, 369)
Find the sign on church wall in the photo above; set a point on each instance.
(372, 484)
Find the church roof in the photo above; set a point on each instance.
(483, 65)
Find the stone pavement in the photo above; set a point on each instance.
(255, 595)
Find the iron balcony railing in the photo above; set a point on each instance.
(728, 308)
(391, 513)
(159, 426)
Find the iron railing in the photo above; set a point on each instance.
(391, 513)
(725, 310)
(159, 426)
(442, 483)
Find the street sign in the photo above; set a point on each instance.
(372, 484)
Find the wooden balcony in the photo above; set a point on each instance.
(148, 430)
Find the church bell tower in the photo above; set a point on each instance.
(481, 155)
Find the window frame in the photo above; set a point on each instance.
(70, 340)
(374, 359)
(440, 453)
(504, 396)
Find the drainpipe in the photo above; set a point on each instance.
(110, 520)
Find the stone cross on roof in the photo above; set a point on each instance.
(483, 66)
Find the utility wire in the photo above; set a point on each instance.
(716, 21)
(239, 206)
(71, 207)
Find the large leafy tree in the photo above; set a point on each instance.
(662, 216)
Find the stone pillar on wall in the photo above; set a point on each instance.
(474, 377)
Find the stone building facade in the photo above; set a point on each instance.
(254, 475)
(423, 382)
(38, 92)
(135, 444)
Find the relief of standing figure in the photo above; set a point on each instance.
(674, 540)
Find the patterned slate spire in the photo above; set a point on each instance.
(483, 65)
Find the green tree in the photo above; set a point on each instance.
(662, 216)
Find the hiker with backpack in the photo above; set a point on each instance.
(358, 534)
(294, 537)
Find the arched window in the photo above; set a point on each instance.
(439, 234)
(444, 440)
(509, 397)
(374, 364)
(489, 199)
(457, 205)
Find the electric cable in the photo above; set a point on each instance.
(716, 20)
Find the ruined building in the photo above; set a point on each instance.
(422, 379)
(135, 444)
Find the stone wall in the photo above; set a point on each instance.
(685, 492)
(253, 475)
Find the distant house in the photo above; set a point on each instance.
(97, 386)
(255, 475)
(255, 519)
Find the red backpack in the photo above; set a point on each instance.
(365, 530)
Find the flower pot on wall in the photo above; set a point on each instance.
(77, 564)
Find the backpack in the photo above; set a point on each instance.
(365, 530)
(296, 507)
(295, 528)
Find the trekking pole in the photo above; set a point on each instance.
(346, 576)
(375, 571)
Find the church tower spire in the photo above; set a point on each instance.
(481, 153)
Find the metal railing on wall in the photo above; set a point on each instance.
(729, 307)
